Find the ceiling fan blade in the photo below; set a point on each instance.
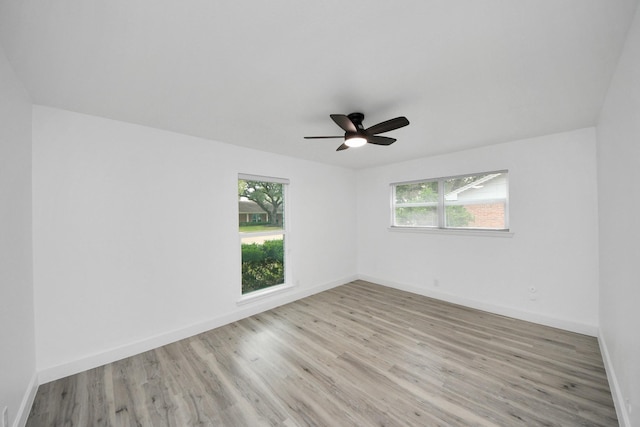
(342, 147)
(387, 126)
(380, 140)
(322, 137)
(344, 122)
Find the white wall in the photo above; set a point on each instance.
(17, 345)
(618, 134)
(136, 241)
(553, 214)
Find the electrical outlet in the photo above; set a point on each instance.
(5, 417)
(436, 282)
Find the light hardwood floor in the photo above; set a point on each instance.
(357, 355)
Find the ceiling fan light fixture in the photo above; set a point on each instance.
(355, 141)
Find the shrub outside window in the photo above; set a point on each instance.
(473, 202)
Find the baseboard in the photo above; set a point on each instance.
(581, 328)
(249, 309)
(616, 392)
(27, 402)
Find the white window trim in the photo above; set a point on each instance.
(264, 293)
(441, 229)
(250, 177)
(453, 231)
(288, 278)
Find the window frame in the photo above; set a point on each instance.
(441, 204)
(284, 231)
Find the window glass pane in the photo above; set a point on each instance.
(419, 192)
(416, 204)
(262, 234)
(417, 216)
(260, 206)
(262, 262)
(476, 201)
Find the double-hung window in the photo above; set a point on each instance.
(474, 202)
(262, 229)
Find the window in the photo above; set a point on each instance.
(261, 224)
(474, 202)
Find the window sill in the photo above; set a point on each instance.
(453, 232)
(263, 293)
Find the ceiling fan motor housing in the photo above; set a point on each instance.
(356, 119)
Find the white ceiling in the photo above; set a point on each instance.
(263, 74)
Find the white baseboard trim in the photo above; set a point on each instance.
(48, 374)
(27, 402)
(581, 328)
(616, 392)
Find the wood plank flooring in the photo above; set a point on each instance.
(357, 355)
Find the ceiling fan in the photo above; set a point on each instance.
(355, 135)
